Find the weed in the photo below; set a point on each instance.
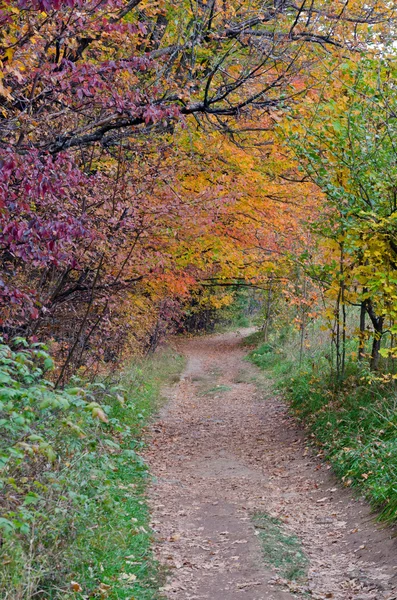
(281, 550)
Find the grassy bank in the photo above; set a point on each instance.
(74, 520)
(354, 425)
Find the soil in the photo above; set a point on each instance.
(224, 449)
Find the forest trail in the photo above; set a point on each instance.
(224, 449)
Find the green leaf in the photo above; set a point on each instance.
(31, 498)
(48, 364)
(6, 525)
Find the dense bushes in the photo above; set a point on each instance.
(73, 514)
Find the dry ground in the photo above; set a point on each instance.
(225, 448)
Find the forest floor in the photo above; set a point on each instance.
(242, 509)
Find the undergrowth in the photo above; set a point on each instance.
(74, 520)
(354, 423)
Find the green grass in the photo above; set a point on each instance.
(267, 357)
(253, 339)
(281, 550)
(355, 425)
(91, 524)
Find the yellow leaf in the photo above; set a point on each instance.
(5, 92)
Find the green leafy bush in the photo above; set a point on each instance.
(263, 355)
(74, 521)
(37, 422)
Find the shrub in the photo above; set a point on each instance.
(72, 481)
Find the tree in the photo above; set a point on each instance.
(93, 97)
(346, 146)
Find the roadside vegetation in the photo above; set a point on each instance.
(352, 422)
(280, 550)
(75, 522)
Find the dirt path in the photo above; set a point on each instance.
(224, 450)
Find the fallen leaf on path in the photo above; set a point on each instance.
(248, 584)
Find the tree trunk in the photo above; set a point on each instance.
(361, 342)
(375, 356)
(377, 323)
(268, 313)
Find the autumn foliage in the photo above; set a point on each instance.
(142, 164)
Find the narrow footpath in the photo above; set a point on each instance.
(223, 451)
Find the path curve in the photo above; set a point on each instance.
(224, 449)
